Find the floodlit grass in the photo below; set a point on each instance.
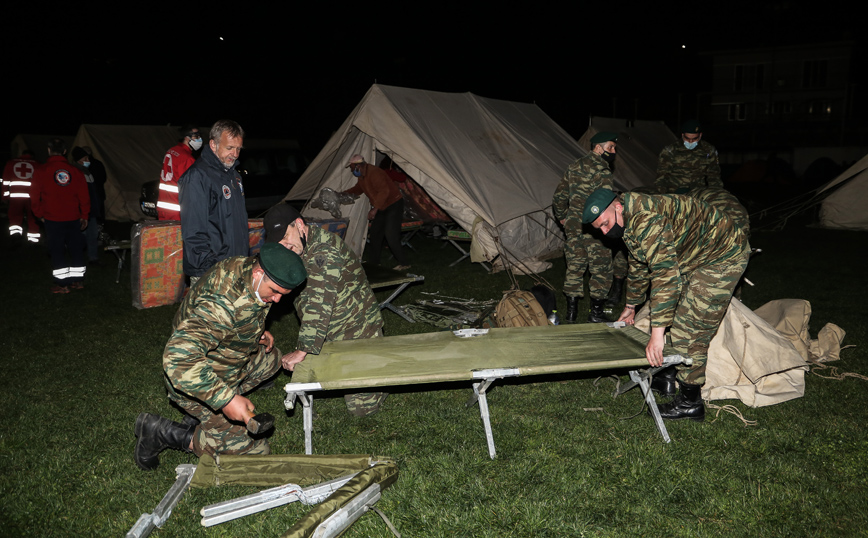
(572, 461)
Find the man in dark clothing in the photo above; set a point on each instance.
(211, 196)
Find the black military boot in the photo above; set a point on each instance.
(615, 293)
(686, 404)
(156, 434)
(664, 382)
(572, 309)
(596, 314)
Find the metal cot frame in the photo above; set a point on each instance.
(482, 380)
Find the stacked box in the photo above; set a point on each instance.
(157, 264)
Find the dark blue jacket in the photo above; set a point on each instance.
(213, 216)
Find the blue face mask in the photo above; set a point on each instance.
(357, 172)
(86, 164)
(690, 145)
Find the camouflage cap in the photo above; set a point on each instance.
(277, 220)
(282, 265)
(596, 203)
(691, 126)
(603, 136)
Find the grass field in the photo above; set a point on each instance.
(78, 368)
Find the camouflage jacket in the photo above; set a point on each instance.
(337, 302)
(669, 236)
(682, 168)
(725, 202)
(583, 177)
(215, 334)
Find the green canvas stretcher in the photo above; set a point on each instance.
(444, 357)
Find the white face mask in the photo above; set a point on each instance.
(690, 145)
(196, 144)
(256, 291)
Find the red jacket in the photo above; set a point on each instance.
(17, 177)
(59, 191)
(377, 186)
(177, 160)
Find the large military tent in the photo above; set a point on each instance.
(132, 155)
(639, 145)
(845, 207)
(478, 158)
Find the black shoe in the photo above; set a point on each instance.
(572, 309)
(615, 293)
(664, 382)
(686, 404)
(156, 434)
(596, 314)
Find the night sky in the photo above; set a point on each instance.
(297, 72)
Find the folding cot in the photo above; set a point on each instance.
(383, 277)
(493, 354)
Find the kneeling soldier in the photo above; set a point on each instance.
(219, 351)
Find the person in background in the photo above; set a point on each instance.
(211, 196)
(59, 197)
(386, 213)
(177, 160)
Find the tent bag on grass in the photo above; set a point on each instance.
(277, 469)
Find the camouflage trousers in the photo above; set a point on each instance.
(217, 435)
(587, 252)
(363, 404)
(701, 307)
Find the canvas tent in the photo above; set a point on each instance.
(494, 160)
(639, 145)
(844, 208)
(132, 155)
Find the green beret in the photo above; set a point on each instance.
(596, 203)
(282, 265)
(691, 126)
(602, 137)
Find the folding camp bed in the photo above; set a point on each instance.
(482, 359)
(119, 249)
(456, 236)
(382, 277)
(408, 230)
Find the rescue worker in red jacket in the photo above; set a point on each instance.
(17, 178)
(177, 160)
(59, 197)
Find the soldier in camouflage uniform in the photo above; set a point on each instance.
(694, 255)
(219, 350)
(337, 303)
(584, 251)
(691, 164)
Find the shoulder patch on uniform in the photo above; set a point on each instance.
(319, 260)
(227, 192)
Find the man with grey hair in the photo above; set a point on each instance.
(211, 196)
